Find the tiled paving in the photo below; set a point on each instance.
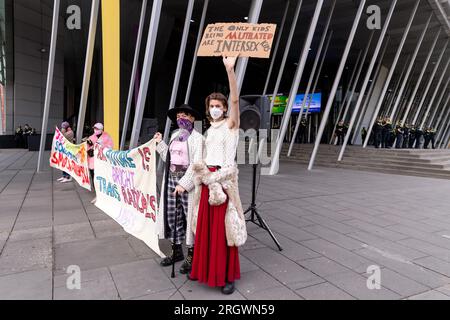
(332, 223)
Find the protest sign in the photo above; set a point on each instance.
(125, 184)
(231, 39)
(71, 158)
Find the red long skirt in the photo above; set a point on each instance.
(214, 262)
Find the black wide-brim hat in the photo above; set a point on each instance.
(172, 113)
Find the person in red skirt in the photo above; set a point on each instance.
(216, 262)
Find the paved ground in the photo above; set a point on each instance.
(332, 223)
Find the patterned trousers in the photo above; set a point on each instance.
(180, 211)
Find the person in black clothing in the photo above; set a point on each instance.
(387, 129)
(302, 131)
(363, 134)
(378, 133)
(27, 130)
(433, 137)
(419, 134)
(18, 137)
(399, 131)
(405, 136)
(340, 132)
(412, 136)
(429, 136)
(426, 138)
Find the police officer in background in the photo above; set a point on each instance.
(387, 130)
(378, 133)
(419, 134)
(412, 136)
(429, 136)
(433, 137)
(302, 130)
(399, 131)
(340, 132)
(363, 133)
(405, 136)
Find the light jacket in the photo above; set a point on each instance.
(195, 150)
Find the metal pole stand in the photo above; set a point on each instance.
(177, 203)
(254, 211)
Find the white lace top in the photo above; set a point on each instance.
(221, 144)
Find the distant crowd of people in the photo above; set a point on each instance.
(385, 135)
(21, 135)
(402, 136)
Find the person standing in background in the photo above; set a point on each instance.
(103, 139)
(68, 133)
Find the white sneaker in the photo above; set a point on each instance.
(66, 180)
(93, 200)
(60, 179)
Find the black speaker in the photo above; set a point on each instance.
(254, 112)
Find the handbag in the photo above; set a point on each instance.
(235, 227)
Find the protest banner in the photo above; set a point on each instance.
(71, 158)
(125, 184)
(231, 39)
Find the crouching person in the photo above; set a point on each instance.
(184, 149)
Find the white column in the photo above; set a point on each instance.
(133, 74)
(297, 78)
(197, 45)
(286, 53)
(176, 81)
(411, 64)
(370, 91)
(311, 77)
(391, 72)
(335, 84)
(275, 49)
(438, 103)
(366, 80)
(434, 94)
(146, 70)
(48, 90)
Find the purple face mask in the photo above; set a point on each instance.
(186, 127)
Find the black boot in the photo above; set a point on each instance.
(187, 264)
(228, 288)
(177, 255)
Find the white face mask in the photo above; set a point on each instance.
(215, 113)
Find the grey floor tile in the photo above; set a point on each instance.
(356, 286)
(31, 234)
(430, 295)
(343, 256)
(95, 253)
(28, 285)
(140, 278)
(284, 270)
(323, 266)
(291, 249)
(324, 291)
(435, 264)
(192, 290)
(276, 293)
(20, 256)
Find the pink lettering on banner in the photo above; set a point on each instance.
(144, 203)
(145, 155)
(123, 177)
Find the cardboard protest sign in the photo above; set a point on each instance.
(231, 39)
(125, 184)
(71, 158)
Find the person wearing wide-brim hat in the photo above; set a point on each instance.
(185, 148)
